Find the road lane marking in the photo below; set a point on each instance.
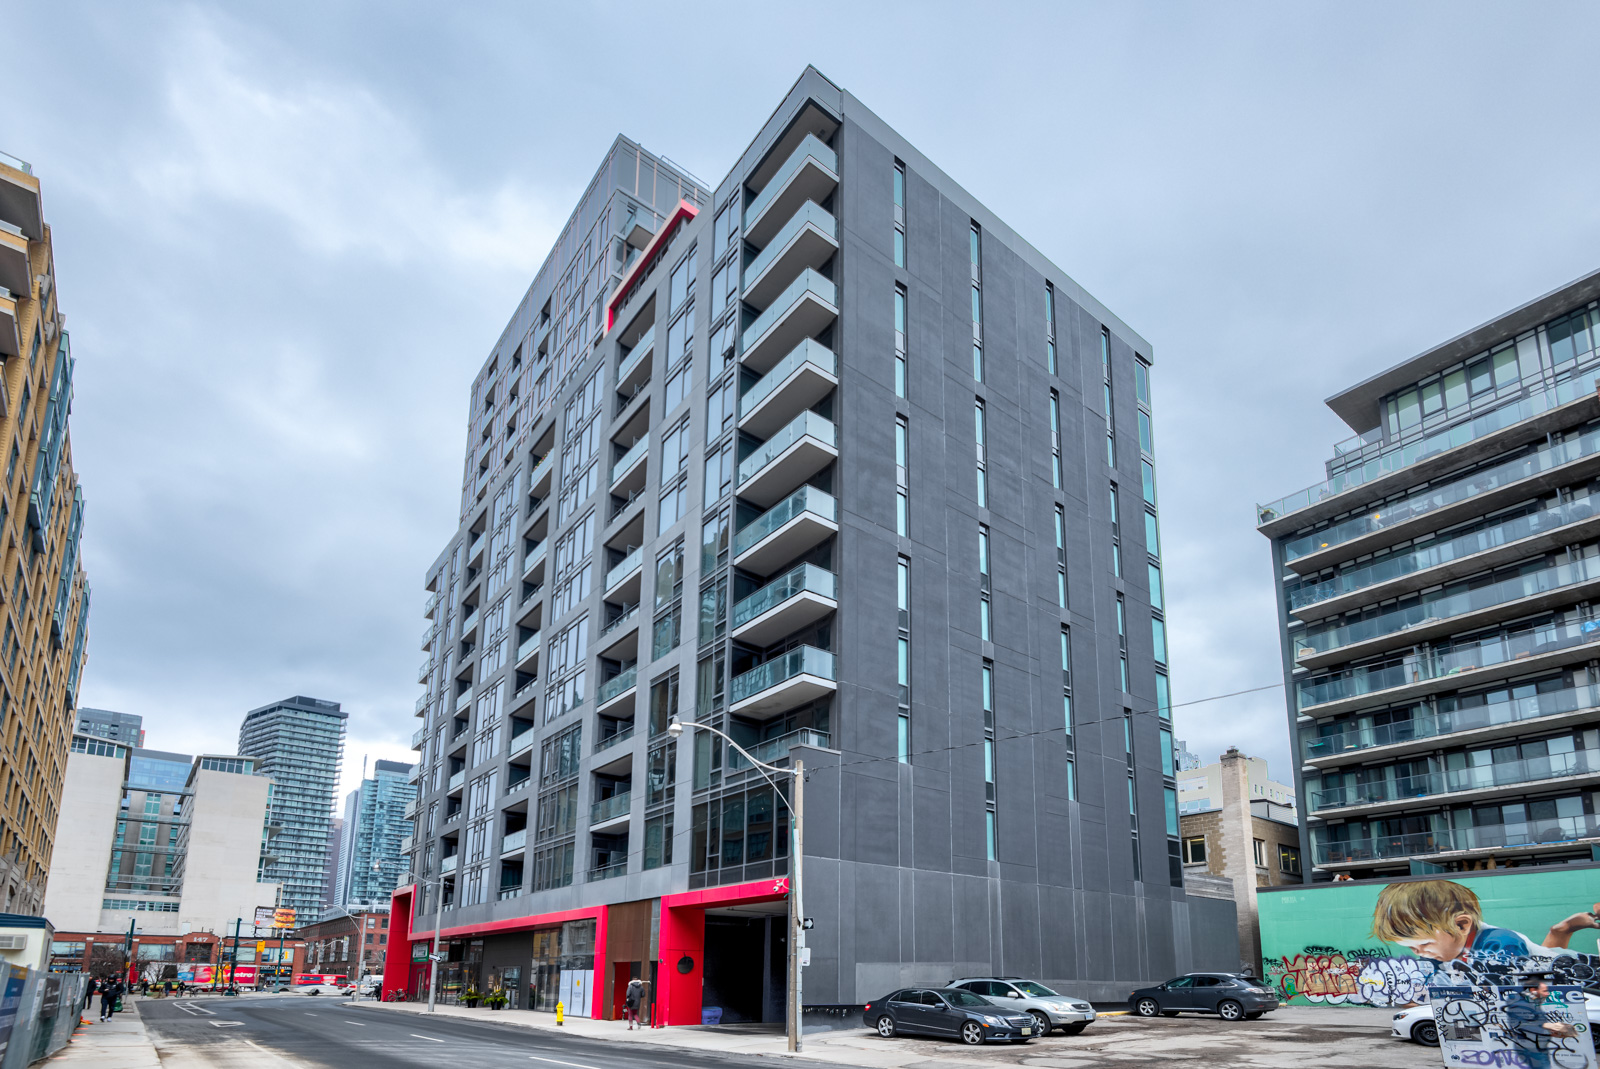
(309, 1013)
(557, 1061)
(358, 1024)
(227, 1024)
(430, 1039)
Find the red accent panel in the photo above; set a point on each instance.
(520, 924)
(683, 932)
(397, 958)
(681, 214)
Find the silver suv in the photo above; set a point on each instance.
(1049, 1008)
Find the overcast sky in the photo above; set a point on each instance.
(287, 235)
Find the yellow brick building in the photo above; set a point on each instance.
(44, 595)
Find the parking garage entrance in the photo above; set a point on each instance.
(724, 954)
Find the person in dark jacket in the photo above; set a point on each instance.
(634, 996)
(108, 1000)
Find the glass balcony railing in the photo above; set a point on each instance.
(535, 555)
(806, 577)
(610, 808)
(1459, 659)
(806, 499)
(807, 281)
(803, 660)
(811, 146)
(620, 621)
(528, 645)
(1503, 710)
(522, 740)
(618, 684)
(469, 621)
(1404, 454)
(606, 872)
(510, 892)
(457, 780)
(805, 425)
(514, 840)
(1479, 482)
(623, 567)
(1445, 605)
(614, 738)
(518, 785)
(1495, 837)
(777, 749)
(422, 704)
(1399, 564)
(630, 458)
(449, 863)
(431, 604)
(641, 350)
(541, 469)
(1456, 780)
(463, 699)
(809, 351)
(810, 214)
(417, 737)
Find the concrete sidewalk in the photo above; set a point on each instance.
(120, 1043)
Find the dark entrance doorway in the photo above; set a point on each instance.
(746, 965)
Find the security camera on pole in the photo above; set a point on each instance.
(799, 955)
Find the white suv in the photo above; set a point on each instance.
(1050, 1009)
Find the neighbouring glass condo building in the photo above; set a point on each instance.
(1437, 594)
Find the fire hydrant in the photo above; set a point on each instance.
(560, 1007)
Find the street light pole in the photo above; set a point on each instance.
(797, 851)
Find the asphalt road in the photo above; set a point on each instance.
(315, 1031)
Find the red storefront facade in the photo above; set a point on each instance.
(672, 959)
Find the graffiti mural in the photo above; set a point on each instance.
(1374, 944)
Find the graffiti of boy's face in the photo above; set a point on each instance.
(1444, 944)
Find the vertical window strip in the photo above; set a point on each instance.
(1111, 422)
(987, 672)
(1055, 439)
(899, 341)
(980, 432)
(902, 474)
(903, 661)
(899, 214)
(1116, 534)
(1050, 329)
(977, 303)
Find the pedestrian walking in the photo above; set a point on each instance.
(631, 1002)
(108, 998)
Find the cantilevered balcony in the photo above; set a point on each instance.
(1532, 836)
(614, 638)
(634, 371)
(778, 466)
(622, 581)
(19, 197)
(10, 340)
(513, 842)
(628, 473)
(456, 781)
(534, 558)
(798, 381)
(810, 173)
(610, 813)
(1324, 745)
(1439, 507)
(1414, 675)
(618, 689)
(1387, 469)
(807, 241)
(1445, 613)
(801, 311)
(1457, 785)
(521, 742)
(774, 751)
(448, 865)
(15, 274)
(797, 523)
(539, 477)
(1441, 562)
(786, 682)
(526, 649)
(797, 598)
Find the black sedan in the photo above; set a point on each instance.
(1231, 996)
(947, 1012)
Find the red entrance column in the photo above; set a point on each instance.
(683, 942)
(397, 957)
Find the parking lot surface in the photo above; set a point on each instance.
(1294, 1036)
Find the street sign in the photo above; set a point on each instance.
(807, 924)
(261, 946)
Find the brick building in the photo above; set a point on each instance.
(1251, 841)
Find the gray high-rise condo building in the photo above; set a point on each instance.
(298, 742)
(1436, 593)
(375, 828)
(831, 459)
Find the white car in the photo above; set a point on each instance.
(1416, 1022)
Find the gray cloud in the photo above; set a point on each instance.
(287, 235)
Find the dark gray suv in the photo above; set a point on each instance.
(1230, 995)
